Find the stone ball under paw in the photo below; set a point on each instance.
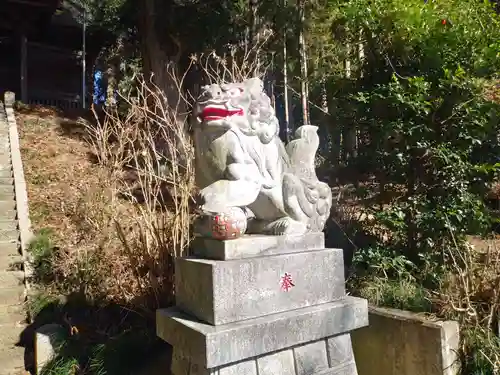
(227, 225)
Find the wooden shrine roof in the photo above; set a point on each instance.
(30, 14)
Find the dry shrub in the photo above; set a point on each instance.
(148, 156)
(471, 294)
(492, 91)
(117, 223)
(237, 64)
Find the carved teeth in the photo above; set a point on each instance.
(216, 112)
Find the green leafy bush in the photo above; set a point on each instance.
(420, 101)
(428, 133)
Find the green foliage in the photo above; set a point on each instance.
(385, 278)
(429, 145)
(429, 132)
(383, 262)
(481, 348)
(119, 354)
(61, 366)
(109, 17)
(41, 250)
(41, 246)
(399, 294)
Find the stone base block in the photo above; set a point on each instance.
(316, 338)
(222, 292)
(315, 358)
(252, 246)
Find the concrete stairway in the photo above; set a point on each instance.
(12, 289)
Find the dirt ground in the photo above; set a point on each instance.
(57, 169)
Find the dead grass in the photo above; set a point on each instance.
(492, 91)
(58, 172)
(71, 197)
(470, 293)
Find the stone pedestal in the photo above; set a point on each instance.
(262, 305)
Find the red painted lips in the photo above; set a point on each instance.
(215, 113)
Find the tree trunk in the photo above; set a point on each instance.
(254, 20)
(160, 58)
(113, 70)
(111, 87)
(304, 88)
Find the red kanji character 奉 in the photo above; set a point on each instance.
(286, 282)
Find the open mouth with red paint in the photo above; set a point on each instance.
(211, 113)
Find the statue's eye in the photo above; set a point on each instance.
(234, 92)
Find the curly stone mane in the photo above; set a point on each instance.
(261, 116)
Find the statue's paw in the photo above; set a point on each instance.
(287, 226)
(268, 184)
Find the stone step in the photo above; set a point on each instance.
(6, 167)
(6, 190)
(8, 215)
(9, 204)
(12, 361)
(12, 315)
(11, 296)
(6, 172)
(10, 337)
(9, 253)
(10, 256)
(11, 279)
(9, 235)
(7, 209)
(7, 197)
(6, 181)
(8, 224)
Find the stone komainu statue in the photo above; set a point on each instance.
(249, 180)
